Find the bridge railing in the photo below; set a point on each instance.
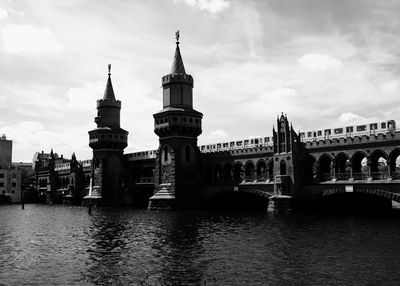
(145, 180)
(380, 175)
(261, 178)
(360, 176)
(249, 178)
(343, 176)
(325, 177)
(395, 175)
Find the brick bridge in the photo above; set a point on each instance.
(304, 170)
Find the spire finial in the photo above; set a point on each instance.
(109, 69)
(177, 37)
(177, 65)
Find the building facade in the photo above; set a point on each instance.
(10, 175)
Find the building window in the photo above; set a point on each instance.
(13, 192)
(14, 175)
(1, 175)
(1, 184)
(13, 184)
(165, 153)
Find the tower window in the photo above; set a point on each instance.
(184, 119)
(187, 153)
(165, 153)
(175, 119)
(190, 120)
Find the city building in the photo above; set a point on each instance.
(10, 176)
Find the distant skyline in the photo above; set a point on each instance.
(323, 63)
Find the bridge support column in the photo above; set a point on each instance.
(333, 171)
(279, 204)
(351, 172)
(389, 171)
(369, 173)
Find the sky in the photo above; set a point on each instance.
(325, 64)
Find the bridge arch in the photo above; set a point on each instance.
(310, 171)
(379, 166)
(249, 171)
(244, 199)
(359, 163)
(270, 168)
(237, 172)
(394, 163)
(342, 166)
(218, 173)
(208, 172)
(368, 198)
(324, 164)
(227, 173)
(261, 170)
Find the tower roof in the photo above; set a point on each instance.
(177, 65)
(109, 91)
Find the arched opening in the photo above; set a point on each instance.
(360, 166)
(236, 201)
(379, 166)
(310, 171)
(342, 167)
(237, 171)
(325, 163)
(165, 153)
(227, 173)
(249, 172)
(188, 152)
(394, 164)
(354, 202)
(261, 171)
(271, 170)
(218, 174)
(282, 167)
(147, 175)
(208, 174)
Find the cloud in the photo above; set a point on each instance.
(84, 98)
(3, 14)
(19, 39)
(214, 136)
(280, 93)
(319, 62)
(212, 6)
(351, 118)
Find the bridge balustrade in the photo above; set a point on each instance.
(360, 176)
(261, 178)
(395, 175)
(343, 176)
(325, 177)
(380, 175)
(249, 178)
(145, 180)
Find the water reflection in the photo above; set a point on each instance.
(176, 242)
(59, 245)
(107, 243)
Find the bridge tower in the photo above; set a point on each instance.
(177, 169)
(108, 142)
(287, 162)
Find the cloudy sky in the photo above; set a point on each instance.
(324, 63)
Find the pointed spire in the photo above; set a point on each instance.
(109, 92)
(177, 65)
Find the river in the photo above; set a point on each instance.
(64, 245)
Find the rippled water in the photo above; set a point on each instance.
(48, 245)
